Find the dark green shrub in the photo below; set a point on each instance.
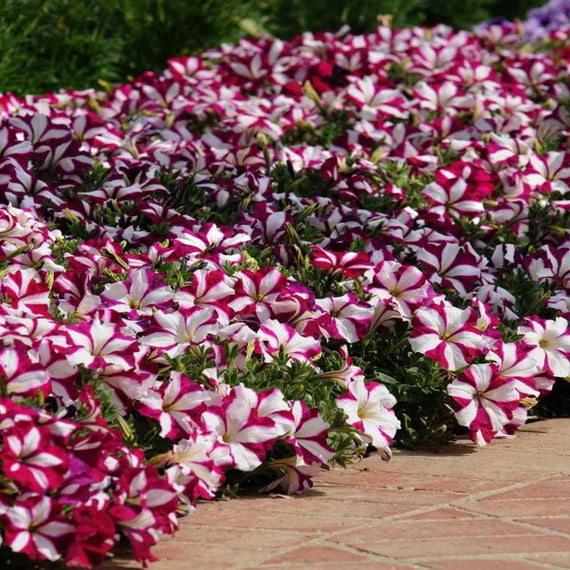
(50, 44)
(286, 17)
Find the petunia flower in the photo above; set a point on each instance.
(368, 407)
(447, 334)
(485, 400)
(549, 343)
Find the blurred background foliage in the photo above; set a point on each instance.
(50, 44)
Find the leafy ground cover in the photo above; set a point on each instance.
(265, 260)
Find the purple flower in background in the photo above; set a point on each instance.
(541, 21)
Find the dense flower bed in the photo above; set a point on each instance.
(218, 277)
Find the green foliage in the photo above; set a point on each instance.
(61, 247)
(46, 45)
(543, 225)
(418, 383)
(49, 44)
(20, 561)
(337, 123)
(309, 184)
(186, 197)
(93, 179)
(531, 296)
(296, 380)
(287, 17)
(393, 172)
(158, 29)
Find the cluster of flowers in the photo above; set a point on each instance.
(69, 487)
(540, 23)
(551, 17)
(72, 486)
(264, 207)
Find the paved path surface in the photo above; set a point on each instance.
(505, 507)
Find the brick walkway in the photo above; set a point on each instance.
(505, 507)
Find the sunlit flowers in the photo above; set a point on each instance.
(486, 400)
(219, 275)
(369, 410)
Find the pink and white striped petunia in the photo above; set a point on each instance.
(177, 405)
(404, 285)
(374, 100)
(192, 470)
(141, 292)
(548, 173)
(350, 264)
(513, 361)
(309, 435)
(97, 344)
(486, 401)
(20, 374)
(172, 333)
(32, 526)
(207, 288)
(452, 265)
(295, 477)
(350, 317)
(549, 344)
(447, 334)
(31, 458)
(275, 338)
(212, 241)
(26, 291)
(256, 292)
(452, 199)
(244, 436)
(368, 406)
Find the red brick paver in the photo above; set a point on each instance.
(505, 507)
